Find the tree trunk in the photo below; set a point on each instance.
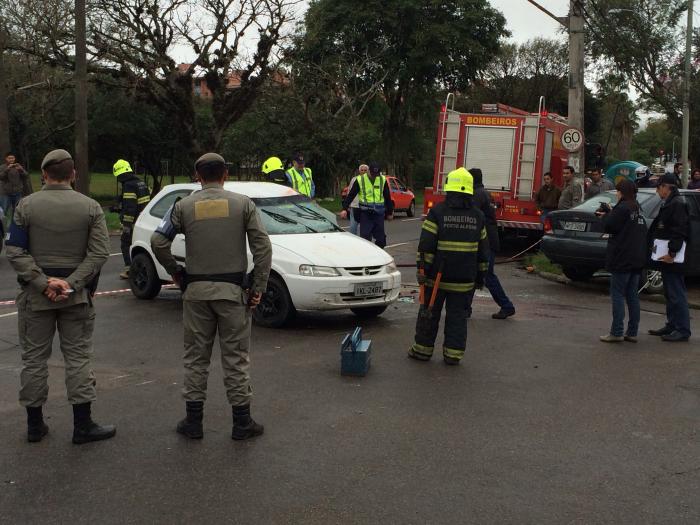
(81, 118)
(5, 145)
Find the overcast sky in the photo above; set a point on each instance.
(525, 21)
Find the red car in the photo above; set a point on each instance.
(402, 197)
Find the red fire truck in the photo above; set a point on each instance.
(512, 147)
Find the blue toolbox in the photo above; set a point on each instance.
(355, 354)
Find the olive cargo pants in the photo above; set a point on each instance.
(202, 320)
(36, 332)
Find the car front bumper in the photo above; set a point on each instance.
(337, 293)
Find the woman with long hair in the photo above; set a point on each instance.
(625, 259)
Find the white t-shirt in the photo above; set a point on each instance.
(356, 201)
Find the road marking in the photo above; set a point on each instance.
(413, 219)
(8, 315)
(397, 244)
(115, 254)
(146, 382)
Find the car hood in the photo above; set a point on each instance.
(336, 249)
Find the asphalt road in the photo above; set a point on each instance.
(541, 423)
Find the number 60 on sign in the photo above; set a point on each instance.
(572, 139)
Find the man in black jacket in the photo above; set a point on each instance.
(671, 225)
(482, 201)
(131, 201)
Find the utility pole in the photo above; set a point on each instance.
(574, 23)
(576, 80)
(686, 96)
(81, 118)
(4, 113)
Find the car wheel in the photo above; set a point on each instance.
(652, 282)
(143, 277)
(276, 307)
(369, 312)
(411, 211)
(578, 274)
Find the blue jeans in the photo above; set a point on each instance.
(494, 286)
(354, 223)
(677, 313)
(624, 288)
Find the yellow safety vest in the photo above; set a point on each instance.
(371, 192)
(299, 183)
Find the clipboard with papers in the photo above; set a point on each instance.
(660, 249)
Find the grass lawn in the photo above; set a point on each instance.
(542, 263)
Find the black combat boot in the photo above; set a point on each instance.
(191, 426)
(85, 429)
(36, 428)
(243, 425)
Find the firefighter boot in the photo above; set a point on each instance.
(420, 352)
(191, 426)
(243, 425)
(85, 429)
(36, 428)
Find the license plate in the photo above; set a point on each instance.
(574, 226)
(367, 289)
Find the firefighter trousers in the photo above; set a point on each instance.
(127, 234)
(428, 324)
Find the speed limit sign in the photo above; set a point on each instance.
(572, 139)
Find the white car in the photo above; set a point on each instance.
(315, 264)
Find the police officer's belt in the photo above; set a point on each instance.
(236, 278)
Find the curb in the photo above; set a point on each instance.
(653, 298)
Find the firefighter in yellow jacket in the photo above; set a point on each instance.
(452, 256)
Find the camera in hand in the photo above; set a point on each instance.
(604, 208)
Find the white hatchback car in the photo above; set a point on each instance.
(315, 264)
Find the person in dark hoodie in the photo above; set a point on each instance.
(482, 201)
(625, 257)
(672, 226)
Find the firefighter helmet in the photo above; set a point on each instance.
(460, 181)
(272, 164)
(121, 167)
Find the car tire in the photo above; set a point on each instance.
(369, 312)
(143, 277)
(655, 282)
(411, 211)
(276, 308)
(580, 274)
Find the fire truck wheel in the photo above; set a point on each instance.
(578, 273)
(411, 211)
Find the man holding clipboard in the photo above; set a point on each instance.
(668, 236)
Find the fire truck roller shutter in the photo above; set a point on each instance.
(491, 149)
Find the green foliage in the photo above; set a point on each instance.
(655, 137)
(542, 264)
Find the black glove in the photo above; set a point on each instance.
(421, 278)
(479, 283)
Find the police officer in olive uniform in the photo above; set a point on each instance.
(57, 244)
(273, 169)
(216, 224)
(453, 248)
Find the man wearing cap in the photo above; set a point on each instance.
(217, 295)
(300, 177)
(453, 254)
(57, 244)
(133, 198)
(273, 169)
(670, 228)
(374, 201)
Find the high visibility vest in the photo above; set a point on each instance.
(299, 183)
(371, 192)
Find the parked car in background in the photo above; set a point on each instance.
(403, 198)
(575, 240)
(315, 264)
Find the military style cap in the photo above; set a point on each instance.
(54, 157)
(374, 168)
(209, 158)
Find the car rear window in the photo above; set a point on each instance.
(160, 208)
(650, 202)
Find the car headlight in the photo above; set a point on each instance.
(391, 267)
(318, 271)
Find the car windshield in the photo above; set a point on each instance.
(649, 202)
(294, 214)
